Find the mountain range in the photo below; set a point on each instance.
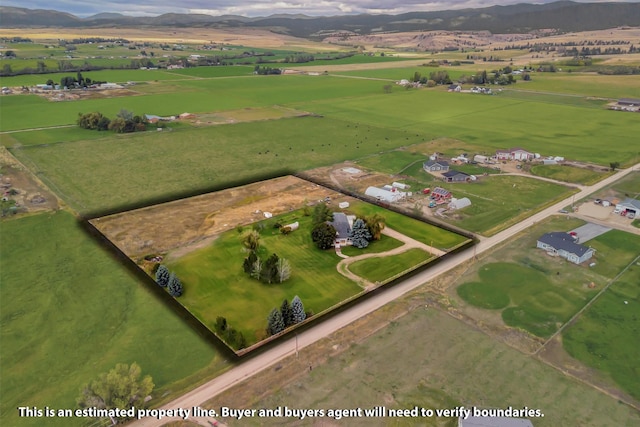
(519, 18)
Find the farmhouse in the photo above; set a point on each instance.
(435, 166)
(390, 195)
(456, 176)
(626, 104)
(343, 224)
(629, 206)
(562, 244)
(454, 88)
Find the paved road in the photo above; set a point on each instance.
(288, 347)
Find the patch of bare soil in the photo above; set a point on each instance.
(185, 225)
(17, 183)
(80, 94)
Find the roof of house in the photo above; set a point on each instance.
(341, 224)
(453, 173)
(436, 162)
(631, 203)
(518, 149)
(564, 241)
(441, 191)
(634, 101)
(495, 422)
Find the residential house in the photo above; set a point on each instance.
(436, 166)
(454, 88)
(343, 224)
(456, 176)
(563, 244)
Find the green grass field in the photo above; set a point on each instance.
(432, 360)
(71, 311)
(529, 299)
(385, 243)
(382, 269)
(567, 173)
(215, 284)
(605, 336)
(124, 169)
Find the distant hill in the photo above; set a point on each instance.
(561, 15)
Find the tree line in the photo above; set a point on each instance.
(124, 122)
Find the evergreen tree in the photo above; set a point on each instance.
(269, 273)
(287, 315)
(323, 235)
(321, 214)
(275, 324)
(175, 286)
(162, 276)
(297, 310)
(360, 235)
(249, 263)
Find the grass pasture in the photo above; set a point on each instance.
(529, 300)
(384, 369)
(568, 173)
(385, 243)
(212, 290)
(71, 311)
(124, 169)
(382, 269)
(605, 336)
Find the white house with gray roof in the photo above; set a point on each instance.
(563, 244)
(343, 225)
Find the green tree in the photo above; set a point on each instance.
(275, 323)
(221, 324)
(297, 310)
(118, 124)
(321, 213)
(249, 263)
(174, 286)
(360, 234)
(323, 235)
(251, 240)
(269, 273)
(614, 165)
(375, 224)
(285, 311)
(162, 276)
(122, 387)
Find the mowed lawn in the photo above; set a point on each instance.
(381, 269)
(423, 232)
(568, 173)
(605, 336)
(216, 285)
(71, 311)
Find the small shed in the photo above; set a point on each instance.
(400, 185)
(480, 158)
(343, 205)
(293, 226)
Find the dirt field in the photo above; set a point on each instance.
(190, 223)
(243, 36)
(32, 195)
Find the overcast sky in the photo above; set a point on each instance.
(254, 8)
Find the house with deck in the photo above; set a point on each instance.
(435, 166)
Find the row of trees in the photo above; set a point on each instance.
(230, 335)
(124, 122)
(437, 77)
(272, 270)
(288, 315)
(169, 280)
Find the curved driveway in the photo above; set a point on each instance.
(289, 346)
